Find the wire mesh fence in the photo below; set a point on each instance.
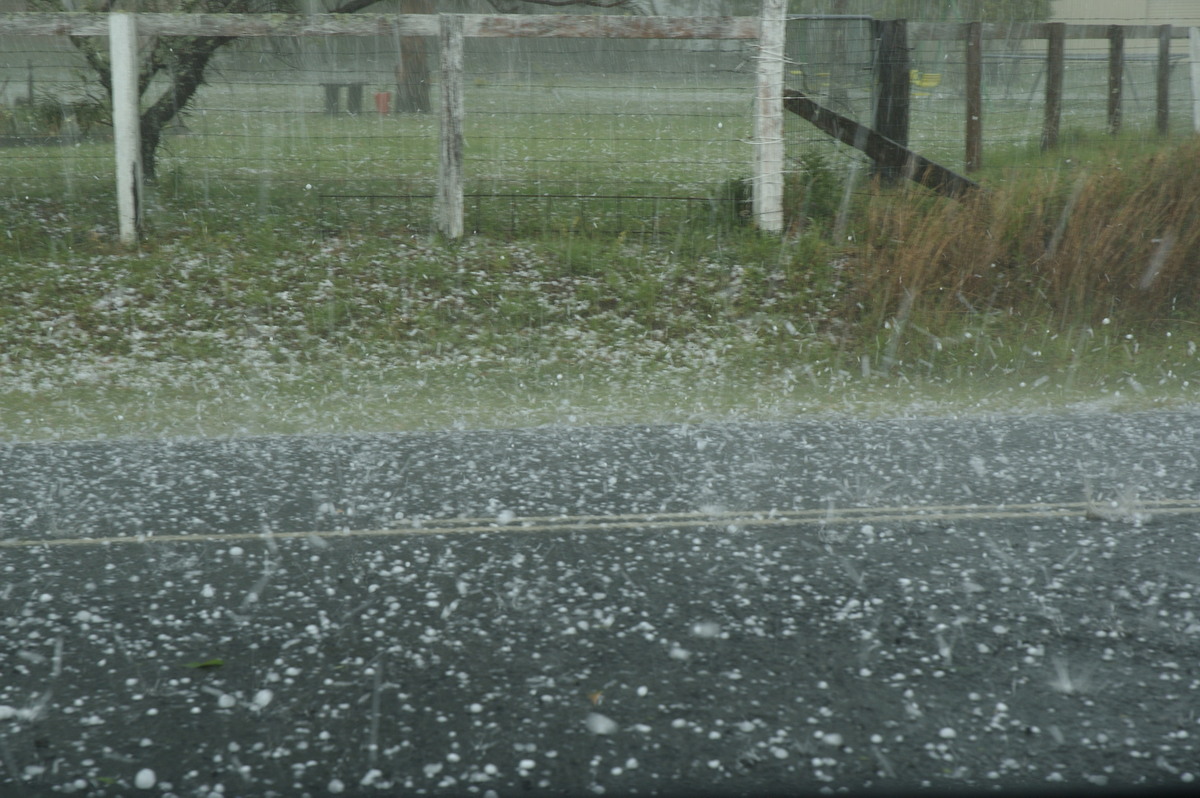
(561, 134)
(292, 125)
(833, 61)
(55, 138)
(633, 135)
(613, 135)
(1015, 81)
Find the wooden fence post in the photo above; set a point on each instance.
(1055, 57)
(1162, 107)
(1194, 52)
(893, 87)
(768, 119)
(127, 138)
(1116, 66)
(974, 155)
(449, 211)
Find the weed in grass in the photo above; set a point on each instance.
(812, 194)
(732, 203)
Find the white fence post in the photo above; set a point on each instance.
(768, 118)
(123, 51)
(1194, 42)
(449, 212)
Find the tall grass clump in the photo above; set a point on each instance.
(1055, 250)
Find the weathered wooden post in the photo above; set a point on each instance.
(892, 89)
(974, 55)
(1194, 54)
(1116, 66)
(449, 212)
(768, 119)
(127, 139)
(1162, 107)
(1055, 56)
(412, 73)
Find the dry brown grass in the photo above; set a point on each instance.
(1064, 248)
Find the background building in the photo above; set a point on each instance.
(1127, 12)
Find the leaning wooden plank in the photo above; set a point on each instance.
(880, 148)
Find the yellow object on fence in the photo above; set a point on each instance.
(924, 80)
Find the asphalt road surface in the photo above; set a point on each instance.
(835, 604)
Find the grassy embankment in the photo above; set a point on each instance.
(1066, 282)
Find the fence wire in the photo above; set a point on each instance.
(1014, 93)
(626, 135)
(561, 134)
(55, 138)
(832, 61)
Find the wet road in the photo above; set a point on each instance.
(106, 489)
(718, 608)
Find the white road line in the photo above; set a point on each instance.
(832, 516)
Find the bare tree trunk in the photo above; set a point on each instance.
(183, 59)
(412, 73)
(188, 57)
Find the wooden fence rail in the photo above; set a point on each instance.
(35, 23)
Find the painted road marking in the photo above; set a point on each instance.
(737, 519)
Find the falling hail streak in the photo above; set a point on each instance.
(373, 733)
(1064, 218)
(1161, 253)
